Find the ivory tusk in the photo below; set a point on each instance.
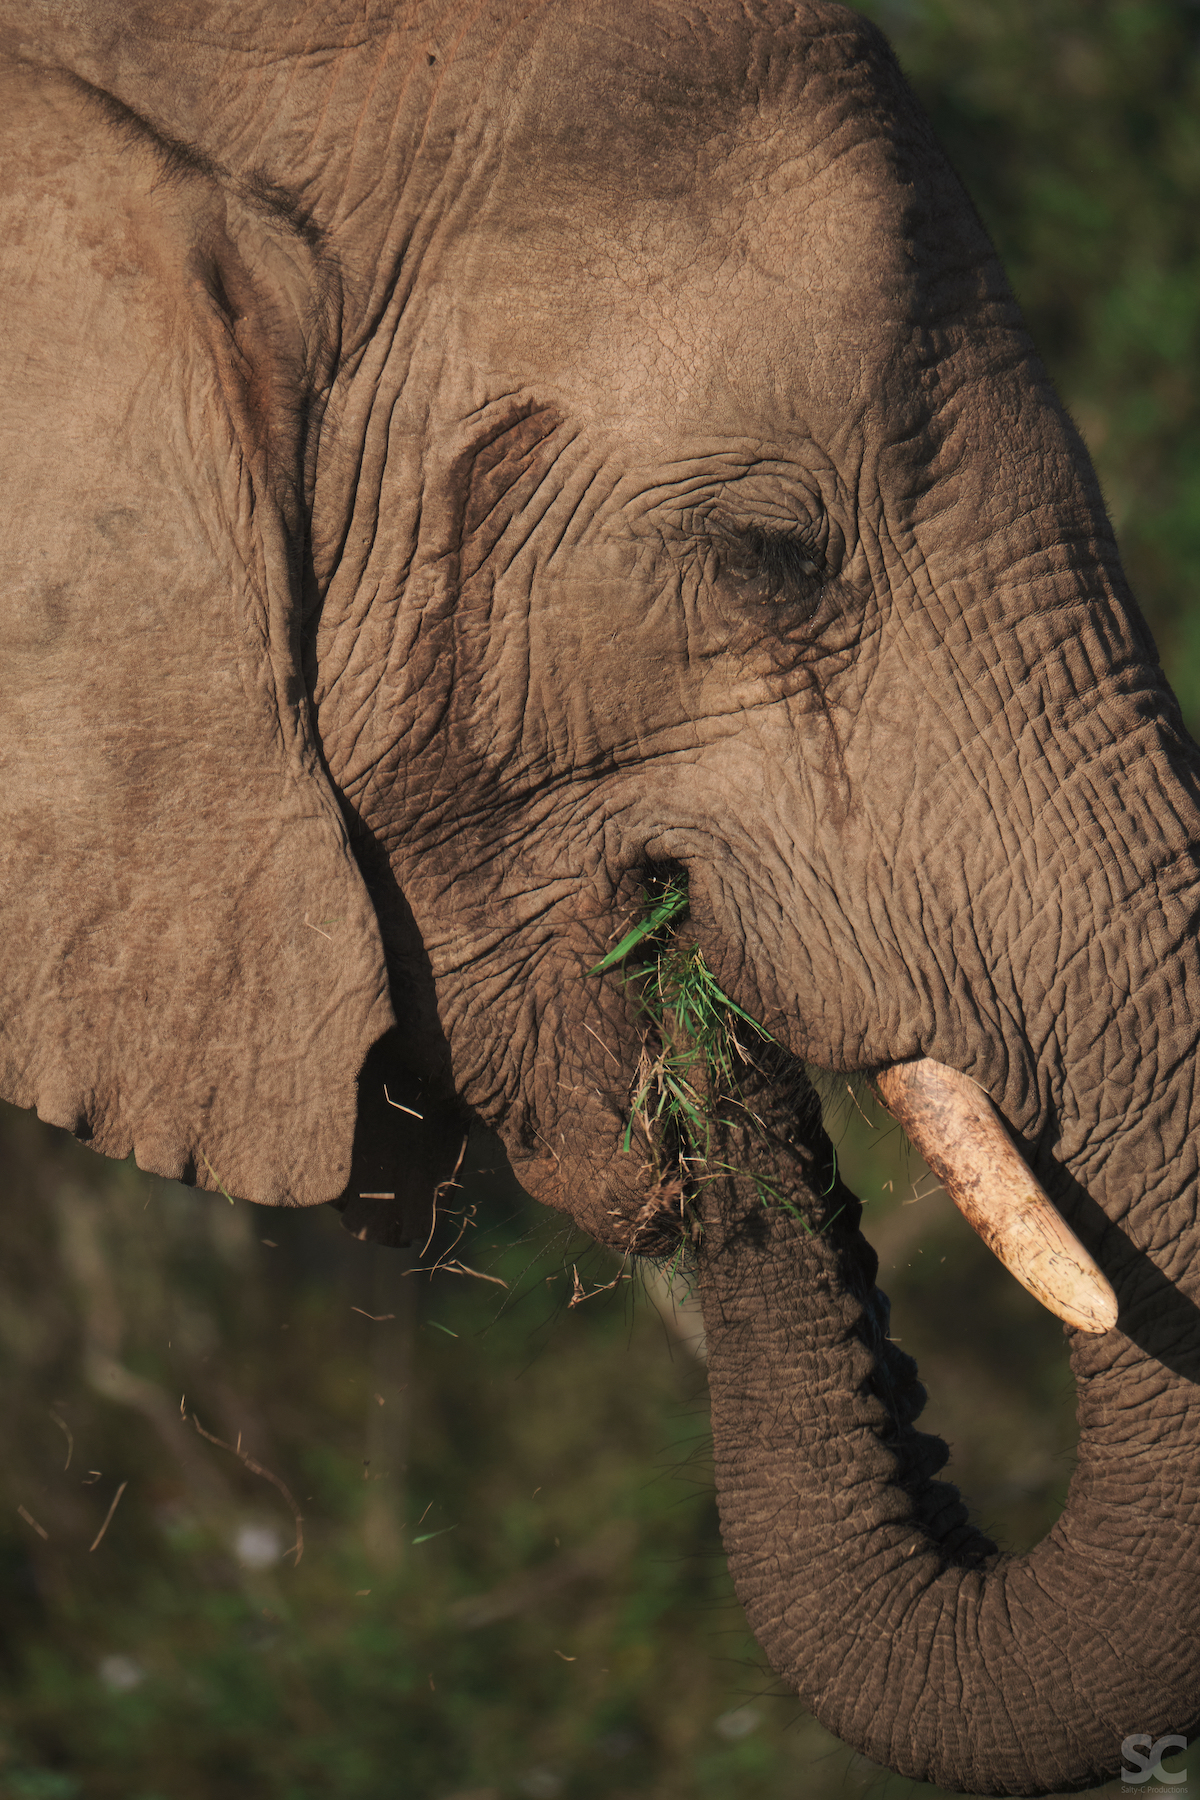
(962, 1137)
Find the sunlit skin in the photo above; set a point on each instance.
(464, 461)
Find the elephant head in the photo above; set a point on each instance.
(461, 461)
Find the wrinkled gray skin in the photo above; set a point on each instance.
(417, 423)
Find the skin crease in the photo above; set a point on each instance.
(464, 360)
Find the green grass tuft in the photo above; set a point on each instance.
(693, 1059)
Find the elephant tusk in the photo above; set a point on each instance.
(962, 1137)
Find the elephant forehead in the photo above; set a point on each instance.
(759, 321)
(796, 248)
(639, 99)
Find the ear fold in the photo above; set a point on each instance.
(190, 966)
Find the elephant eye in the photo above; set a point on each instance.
(771, 569)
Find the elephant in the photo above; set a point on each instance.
(468, 468)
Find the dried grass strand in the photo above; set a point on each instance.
(40, 1529)
(256, 1468)
(107, 1517)
(64, 1427)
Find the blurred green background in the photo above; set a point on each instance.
(511, 1582)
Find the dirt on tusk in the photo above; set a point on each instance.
(962, 1137)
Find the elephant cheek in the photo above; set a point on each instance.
(579, 1166)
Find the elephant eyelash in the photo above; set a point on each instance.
(776, 569)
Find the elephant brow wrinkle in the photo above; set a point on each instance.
(179, 157)
(283, 204)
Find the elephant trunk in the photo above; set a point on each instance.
(898, 1622)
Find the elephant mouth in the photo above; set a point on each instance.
(694, 1038)
(954, 1126)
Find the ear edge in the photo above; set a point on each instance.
(169, 830)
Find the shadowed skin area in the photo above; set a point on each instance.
(460, 456)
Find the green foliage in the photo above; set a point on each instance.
(534, 1488)
(693, 1062)
(667, 907)
(501, 1541)
(692, 1057)
(688, 1036)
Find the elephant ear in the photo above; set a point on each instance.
(190, 965)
